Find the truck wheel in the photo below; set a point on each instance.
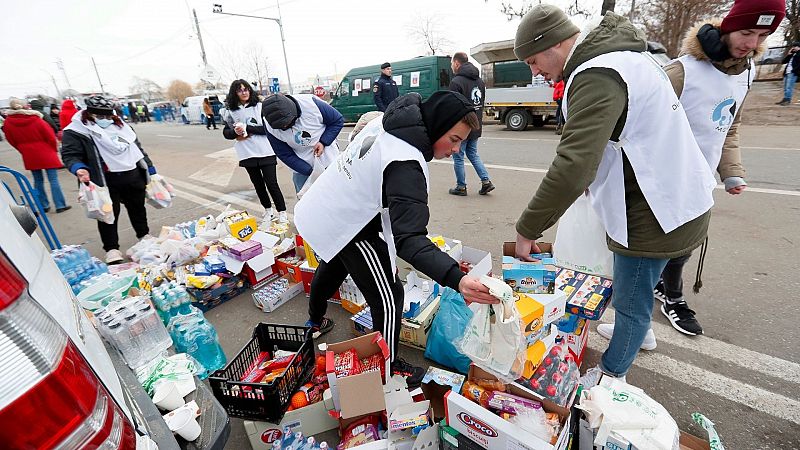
(538, 121)
(517, 120)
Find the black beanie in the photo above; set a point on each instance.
(442, 110)
(280, 111)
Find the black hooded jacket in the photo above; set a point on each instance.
(468, 83)
(406, 196)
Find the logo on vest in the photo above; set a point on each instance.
(354, 152)
(723, 114)
(302, 138)
(476, 97)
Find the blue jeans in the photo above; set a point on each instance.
(299, 180)
(470, 148)
(55, 188)
(788, 85)
(634, 281)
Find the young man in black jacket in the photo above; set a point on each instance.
(790, 74)
(379, 184)
(468, 83)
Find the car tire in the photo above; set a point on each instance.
(517, 120)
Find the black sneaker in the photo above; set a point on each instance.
(458, 190)
(682, 318)
(66, 208)
(318, 329)
(412, 373)
(659, 293)
(486, 187)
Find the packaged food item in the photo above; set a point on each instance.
(475, 393)
(253, 372)
(360, 432)
(509, 403)
(272, 376)
(491, 385)
(374, 363)
(556, 377)
(278, 363)
(320, 365)
(347, 363)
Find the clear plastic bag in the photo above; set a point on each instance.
(96, 202)
(581, 241)
(159, 192)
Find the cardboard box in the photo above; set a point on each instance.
(537, 350)
(353, 300)
(360, 394)
(414, 332)
(417, 294)
(307, 274)
(576, 342)
(289, 264)
(245, 250)
(242, 229)
(453, 247)
(271, 304)
(587, 295)
(614, 442)
(310, 420)
(529, 277)
(436, 383)
(481, 261)
(538, 310)
(494, 433)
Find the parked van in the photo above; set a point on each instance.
(354, 95)
(192, 108)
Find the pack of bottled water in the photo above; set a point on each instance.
(296, 441)
(133, 327)
(77, 265)
(193, 334)
(171, 299)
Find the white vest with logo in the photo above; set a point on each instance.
(256, 145)
(305, 132)
(349, 194)
(712, 100)
(657, 140)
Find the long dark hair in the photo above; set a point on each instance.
(233, 98)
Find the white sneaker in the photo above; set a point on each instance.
(269, 215)
(114, 257)
(607, 330)
(283, 217)
(592, 377)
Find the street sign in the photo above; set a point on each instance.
(209, 74)
(319, 91)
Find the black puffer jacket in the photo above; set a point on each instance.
(405, 194)
(468, 83)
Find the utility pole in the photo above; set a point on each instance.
(218, 10)
(200, 38)
(102, 89)
(58, 91)
(60, 65)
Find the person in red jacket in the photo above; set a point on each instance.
(27, 132)
(68, 110)
(558, 95)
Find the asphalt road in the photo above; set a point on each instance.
(744, 373)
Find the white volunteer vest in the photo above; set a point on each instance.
(712, 100)
(257, 145)
(670, 168)
(348, 195)
(305, 132)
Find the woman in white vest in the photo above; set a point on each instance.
(712, 77)
(302, 130)
(371, 205)
(627, 140)
(243, 123)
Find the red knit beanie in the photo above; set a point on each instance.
(749, 14)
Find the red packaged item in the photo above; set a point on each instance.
(255, 372)
(360, 432)
(475, 393)
(347, 363)
(278, 363)
(491, 385)
(374, 363)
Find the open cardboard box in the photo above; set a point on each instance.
(415, 298)
(414, 332)
(438, 382)
(360, 394)
(530, 277)
(310, 420)
(292, 290)
(494, 433)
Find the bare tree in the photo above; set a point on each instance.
(666, 21)
(791, 31)
(148, 89)
(178, 90)
(426, 31)
(571, 7)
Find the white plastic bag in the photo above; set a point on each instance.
(159, 192)
(316, 171)
(581, 241)
(96, 202)
(496, 343)
(614, 406)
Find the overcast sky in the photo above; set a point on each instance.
(155, 38)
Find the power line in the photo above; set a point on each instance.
(160, 44)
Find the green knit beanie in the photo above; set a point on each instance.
(542, 27)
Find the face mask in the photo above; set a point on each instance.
(103, 123)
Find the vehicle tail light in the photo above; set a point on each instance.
(49, 397)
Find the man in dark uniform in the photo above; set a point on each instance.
(384, 88)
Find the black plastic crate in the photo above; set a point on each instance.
(260, 401)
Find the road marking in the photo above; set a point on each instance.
(534, 170)
(558, 140)
(221, 171)
(704, 345)
(169, 136)
(251, 206)
(754, 397)
(199, 200)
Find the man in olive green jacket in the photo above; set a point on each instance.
(600, 66)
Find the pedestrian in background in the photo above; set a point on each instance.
(146, 113)
(468, 83)
(140, 113)
(243, 123)
(302, 128)
(36, 142)
(54, 116)
(38, 105)
(558, 96)
(98, 146)
(790, 74)
(133, 115)
(208, 111)
(385, 88)
(68, 110)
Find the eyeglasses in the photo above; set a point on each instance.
(243, 91)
